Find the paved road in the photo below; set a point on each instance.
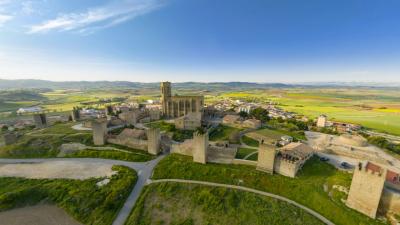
(144, 175)
(144, 170)
(312, 212)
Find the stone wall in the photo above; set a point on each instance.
(40, 120)
(200, 142)
(390, 201)
(131, 143)
(10, 138)
(153, 141)
(366, 190)
(99, 128)
(244, 162)
(286, 167)
(266, 157)
(185, 148)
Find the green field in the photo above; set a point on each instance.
(306, 189)
(174, 203)
(243, 152)
(250, 141)
(82, 199)
(225, 133)
(373, 108)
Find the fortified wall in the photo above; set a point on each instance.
(286, 161)
(204, 151)
(149, 140)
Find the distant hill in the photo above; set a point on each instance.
(45, 84)
(40, 84)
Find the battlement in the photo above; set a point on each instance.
(370, 169)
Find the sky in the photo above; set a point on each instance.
(201, 40)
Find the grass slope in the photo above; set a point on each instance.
(175, 203)
(82, 199)
(307, 189)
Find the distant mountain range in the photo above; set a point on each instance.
(45, 84)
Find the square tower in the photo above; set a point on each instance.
(99, 128)
(266, 157)
(200, 144)
(153, 141)
(366, 188)
(165, 96)
(40, 120)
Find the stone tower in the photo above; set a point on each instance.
(75, 114)
(153, 141)
(366, 188)
(99, 128)
(40, 120)
(165, 95)
(200, 146)
(10, 138)
(266, 157)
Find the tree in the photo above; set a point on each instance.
(260, 114)
(243, 114)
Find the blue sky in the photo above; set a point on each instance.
(200, 40)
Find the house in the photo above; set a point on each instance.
(33, 109)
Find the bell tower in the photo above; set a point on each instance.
(165, 96)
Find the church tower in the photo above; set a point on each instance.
(165, 96)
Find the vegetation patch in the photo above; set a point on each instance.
(111, 154)
(225, 133)
(82, 199)
(250, 141)
(177, 203)
(243, 152)
(307, 189)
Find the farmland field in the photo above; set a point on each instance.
(375, 109)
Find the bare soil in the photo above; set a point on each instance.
(41, 214)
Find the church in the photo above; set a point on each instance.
(177, 106)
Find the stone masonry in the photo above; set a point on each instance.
(153, 141)
(40, 120)
(366, 189)
(266, 157)
(99, 127)
(200, 144)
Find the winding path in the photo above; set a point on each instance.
(310, 211)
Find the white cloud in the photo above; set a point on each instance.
(4, 19)
(97, 18)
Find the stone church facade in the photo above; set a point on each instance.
(177, 106)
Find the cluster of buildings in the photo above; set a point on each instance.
(340, 127)
(276, 112)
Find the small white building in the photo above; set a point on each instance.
(322, 121)
(33, 109)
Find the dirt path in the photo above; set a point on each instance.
(57, 169)
(37, 215)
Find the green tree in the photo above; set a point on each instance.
(260, 114)
(243, 114)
